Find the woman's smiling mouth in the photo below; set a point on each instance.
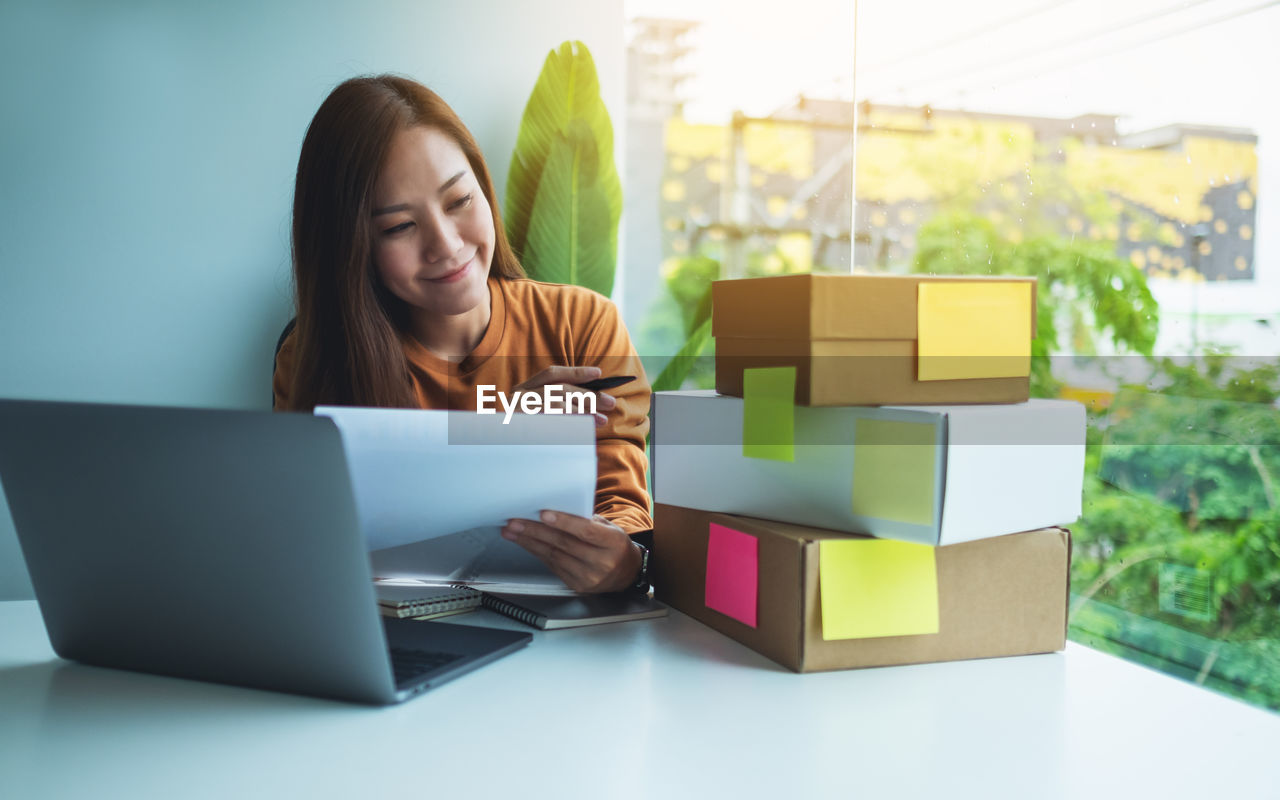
(456, 274)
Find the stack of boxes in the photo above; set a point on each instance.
(869, 484)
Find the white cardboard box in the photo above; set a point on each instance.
(986, 470)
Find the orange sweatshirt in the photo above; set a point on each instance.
(532, 326)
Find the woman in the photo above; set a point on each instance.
(408, 295)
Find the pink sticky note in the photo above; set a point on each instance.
(733, 575)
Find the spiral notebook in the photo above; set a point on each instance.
(424, 602)
(548, 612)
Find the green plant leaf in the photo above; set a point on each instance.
(572, 228)
(678, 368)
(566, 96)
(702, 312)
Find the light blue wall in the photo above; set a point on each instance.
(147, 152)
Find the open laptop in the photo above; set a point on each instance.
(215, 545)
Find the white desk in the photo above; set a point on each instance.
(659, 709)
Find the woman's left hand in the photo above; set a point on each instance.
(589, 555)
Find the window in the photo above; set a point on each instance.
(1119, 152)
(739, 162)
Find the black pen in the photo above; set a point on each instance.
(600, 384)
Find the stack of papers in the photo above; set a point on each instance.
(434, 488)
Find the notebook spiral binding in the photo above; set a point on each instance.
(416, 609)
(511, 610)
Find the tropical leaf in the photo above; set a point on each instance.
(681, 364)
(573, 228)
(702, 312)
(564, 198)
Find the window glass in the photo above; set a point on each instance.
(1121, 154)
(1117, 152)
(739, 162)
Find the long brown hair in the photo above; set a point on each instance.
(347, 338)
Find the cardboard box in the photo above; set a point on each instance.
(879, 339)
(935, 475)
(999, 596)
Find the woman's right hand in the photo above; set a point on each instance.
(570, 378)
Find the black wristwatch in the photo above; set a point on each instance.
(641, 586)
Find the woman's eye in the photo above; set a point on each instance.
(461, 202)
(403, 226)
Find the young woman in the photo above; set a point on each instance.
(408, 295)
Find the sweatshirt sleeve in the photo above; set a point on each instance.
(622, 494)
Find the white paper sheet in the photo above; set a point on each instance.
(424, 474)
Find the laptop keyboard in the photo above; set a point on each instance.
(408, 664)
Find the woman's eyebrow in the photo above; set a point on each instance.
(452, 181)
(377, 212)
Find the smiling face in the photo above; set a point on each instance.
(432, 226)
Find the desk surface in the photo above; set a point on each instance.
(661, 708)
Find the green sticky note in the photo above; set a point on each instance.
(769, 413)
(893, 470)
(877, 587)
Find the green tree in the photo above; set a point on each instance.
(1181, 483)
(1081, 285)
(686, 308)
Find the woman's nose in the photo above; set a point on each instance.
(442, 242)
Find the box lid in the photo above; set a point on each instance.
(830, 306)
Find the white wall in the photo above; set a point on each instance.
(147, 151)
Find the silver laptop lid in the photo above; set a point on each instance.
(208, 544)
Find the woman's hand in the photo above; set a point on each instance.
(589, 555)
(570, 377)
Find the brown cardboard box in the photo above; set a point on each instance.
(1001, 596)
(852, 339)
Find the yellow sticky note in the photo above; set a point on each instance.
(893, 470)
(876, 587)
(769, 413)
(973, 330)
